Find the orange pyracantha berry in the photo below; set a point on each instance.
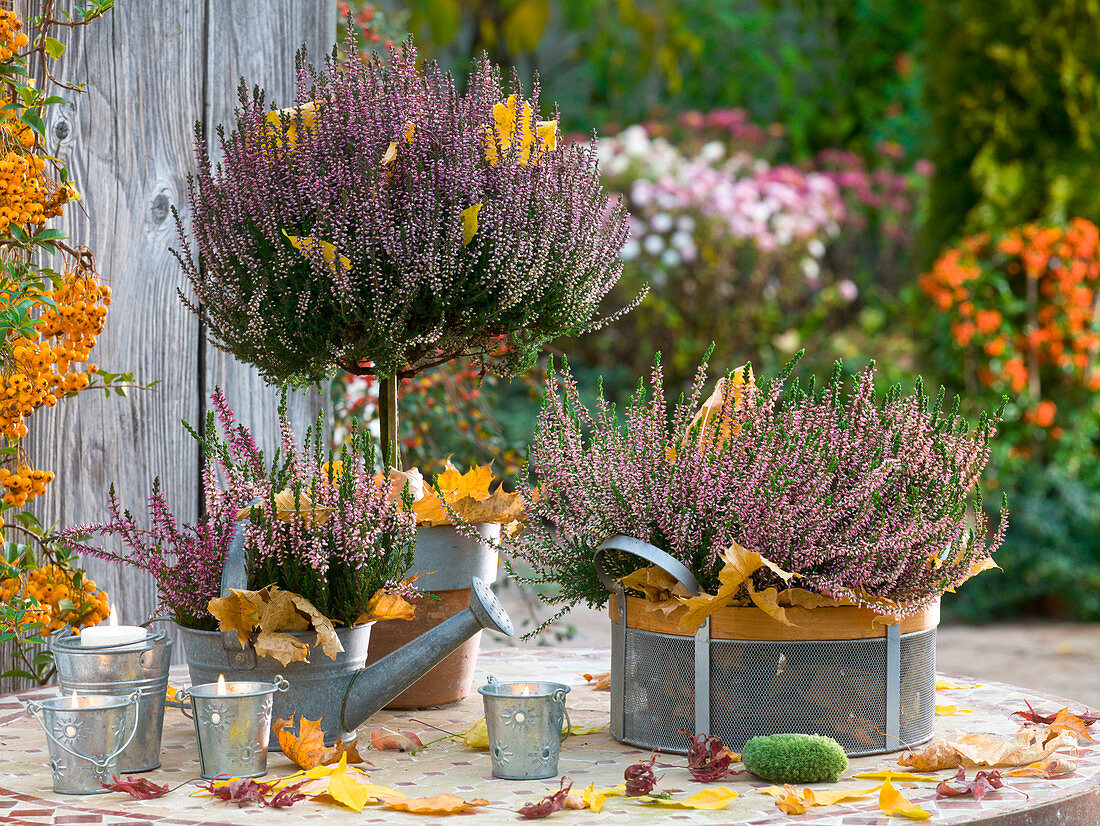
(51, 585)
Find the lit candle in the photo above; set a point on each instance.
(221, 685)
(73, 702)
(526, 691)
(113, 633)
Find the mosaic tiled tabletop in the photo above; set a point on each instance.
(446, 766)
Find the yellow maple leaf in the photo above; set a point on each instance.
(442, 804)
(270, 612)
(794, 801)
(895, 804)
(739, 566)
(469, 495)
(944, 684)
(386, 605)
(345, 784)
(306, 747)
(306, 114)
(906, 777)
(710, 800)
(477, 735)
(595, 798)
(950, 711)
(469, 223)
(307, 245)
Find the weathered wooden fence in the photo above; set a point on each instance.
(152, 70)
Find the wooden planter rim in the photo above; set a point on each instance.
(837, 623)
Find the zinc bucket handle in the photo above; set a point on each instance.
(650, 553)
(35, 710)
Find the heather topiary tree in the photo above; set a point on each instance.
(389, 223)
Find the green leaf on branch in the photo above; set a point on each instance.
(54, 47)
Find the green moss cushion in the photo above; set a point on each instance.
(795, 758)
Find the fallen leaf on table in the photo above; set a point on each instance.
(1029, 745)
(386, 605)
(578, 731)
(938, 755)
(895, 804)
(1064, 721)
(710, 800)
(346, 785)
(395, 741)
(553, 802)
(170, 694)
(598, 682)
(595, 798)
(1032, 716)
(983, 781)
(948, 711)
(708, 759)
(307, 748)
(443, 804)
(1049, 769)
(139, 788)
(945, 684)
(793, 801)
(640, 779)
(907, 777)
(245, 790)
(476, 736)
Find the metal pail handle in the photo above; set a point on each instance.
(35, 710)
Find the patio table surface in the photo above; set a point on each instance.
(449, 767)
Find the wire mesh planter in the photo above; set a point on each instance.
(871, 687)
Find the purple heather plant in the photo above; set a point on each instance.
(331, 531)
(388, 223)
(865, 497)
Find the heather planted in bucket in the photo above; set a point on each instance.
(838, 491)
(331, 532)
(388, 223)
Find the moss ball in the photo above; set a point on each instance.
(795, 758)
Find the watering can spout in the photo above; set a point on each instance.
(377, 684)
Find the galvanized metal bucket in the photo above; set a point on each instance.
(527, 722)
(119, 670)
(872, 695)
(233, 729)
(317, 685)
(85, 742)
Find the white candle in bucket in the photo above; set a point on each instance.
(112, 633)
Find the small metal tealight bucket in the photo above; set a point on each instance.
(85, 741)
(234, 728)
(118, 670)
(527, 722)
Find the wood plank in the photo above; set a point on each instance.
(839, 623)
(257, 40)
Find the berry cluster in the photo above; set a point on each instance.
(43, 370)
(50, 586)
(23, 484)
(27, 196)
(11, 38)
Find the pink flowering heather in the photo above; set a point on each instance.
(335, 535)
(390, 223)
(863, 496)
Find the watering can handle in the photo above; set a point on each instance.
(650, 553)
(235, 569)
(35, 710)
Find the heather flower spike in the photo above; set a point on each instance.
(387, 223)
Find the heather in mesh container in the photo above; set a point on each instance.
(773, 557)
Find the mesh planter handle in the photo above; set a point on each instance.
(676, 569)
(838, 672)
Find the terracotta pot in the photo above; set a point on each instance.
(452, 559)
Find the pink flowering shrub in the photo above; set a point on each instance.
(864, 496)
(327, 530)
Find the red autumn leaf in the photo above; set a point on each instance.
(141, 788)
(239, 790)
(708, 759)
(395, 741)
(548, 805)
(640, 779)
(288, 796)
(1032, 716)
(982, 783)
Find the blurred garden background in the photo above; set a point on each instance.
(911, 182)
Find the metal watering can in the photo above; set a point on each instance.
(343, 692)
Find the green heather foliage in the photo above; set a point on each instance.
(1013, 89)
(795, 758)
